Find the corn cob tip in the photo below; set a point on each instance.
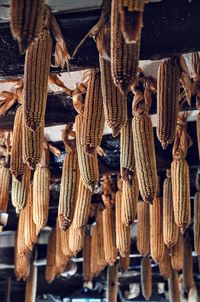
(115, 131)
(164, 145)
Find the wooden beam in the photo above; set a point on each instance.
(170, 28)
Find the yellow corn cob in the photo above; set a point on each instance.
(26, 21)
(4, 188)
(181, 193)
(50, 270)
(20, 190)
(33, 146)
(156, 230)
(31, 285)
(65, 243)
(173, 284)
(93, 116)
(145, 159)
(143, 228)
(21, 246)
(109, 236)
(129, 201)
(124, 57)
(82, 208)
(37, 66)
(198, 132)
(197, 223)
(41, 196)
(68, 189)
(127, 160)
(76, 239)
(114, 103)
(168, 90)
(88, 164)
(165, 264)
(122, 231)
(170, 228)
(124, 263)
(16, 160)
(61, 259)
(112, 279)
(99, 222)
(188, 280)
(177, 254)
(146, 277)
(87, 257)
(30, 235)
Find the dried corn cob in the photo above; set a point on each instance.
(31, 285)
(169, 74)
(16, 160)
(198, 132)
(93, 116)
(22, 265)
(177, 254)
(144, 152)
(41, 196)
(61, 259)
(76, 239)
(188, 280)
(181, 193)
(38, 57)
(26, 21)
(82, 208)
(197, 223)
(21, 246)
(165, 264)
(129, 201)
(112, 278)
(33, 146)
(115, 104)
(4, 188)
(109, 235)
(122, 231)
(143, 228)
(173, 284)
(124, 263)
(68, 189)
(87, 257)
(146, 277)
(124, 57)
(170, 228)
(131, 15)
(127, 160)
(88, 164)
(20, 190)
(156, 230)
(99, 222)
(30, 235)
(94, 268)
(50, 270)
(65, 243)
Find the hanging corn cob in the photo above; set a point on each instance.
(93, 116)
(41, 191)
(170, 228)
(21, 246)
(173, 284)
(76, 239)
(22, 265)
(26, 21)
(143, 228)
(188, 280)
(165, 264)
(99, 222)
(180, 176)
(60, 258)
(88, 164)
(50, 270)
(112, 278)
(31, 285)
(177, 254)
(197, 223)
(168, 90)
(146, 277)
(20, 190)
(156, 230)
(143, 139)
(87, 257)
(124, 263)
(16, 160)
(122, 231)
(4, 187)
(30, 235)
(94, 268)
(129, 201)
(124, 57)
(68, 189)
(115, 104)
(131, 16)
(65, 243)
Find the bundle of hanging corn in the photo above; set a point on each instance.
(180, 175)
(143, 139)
